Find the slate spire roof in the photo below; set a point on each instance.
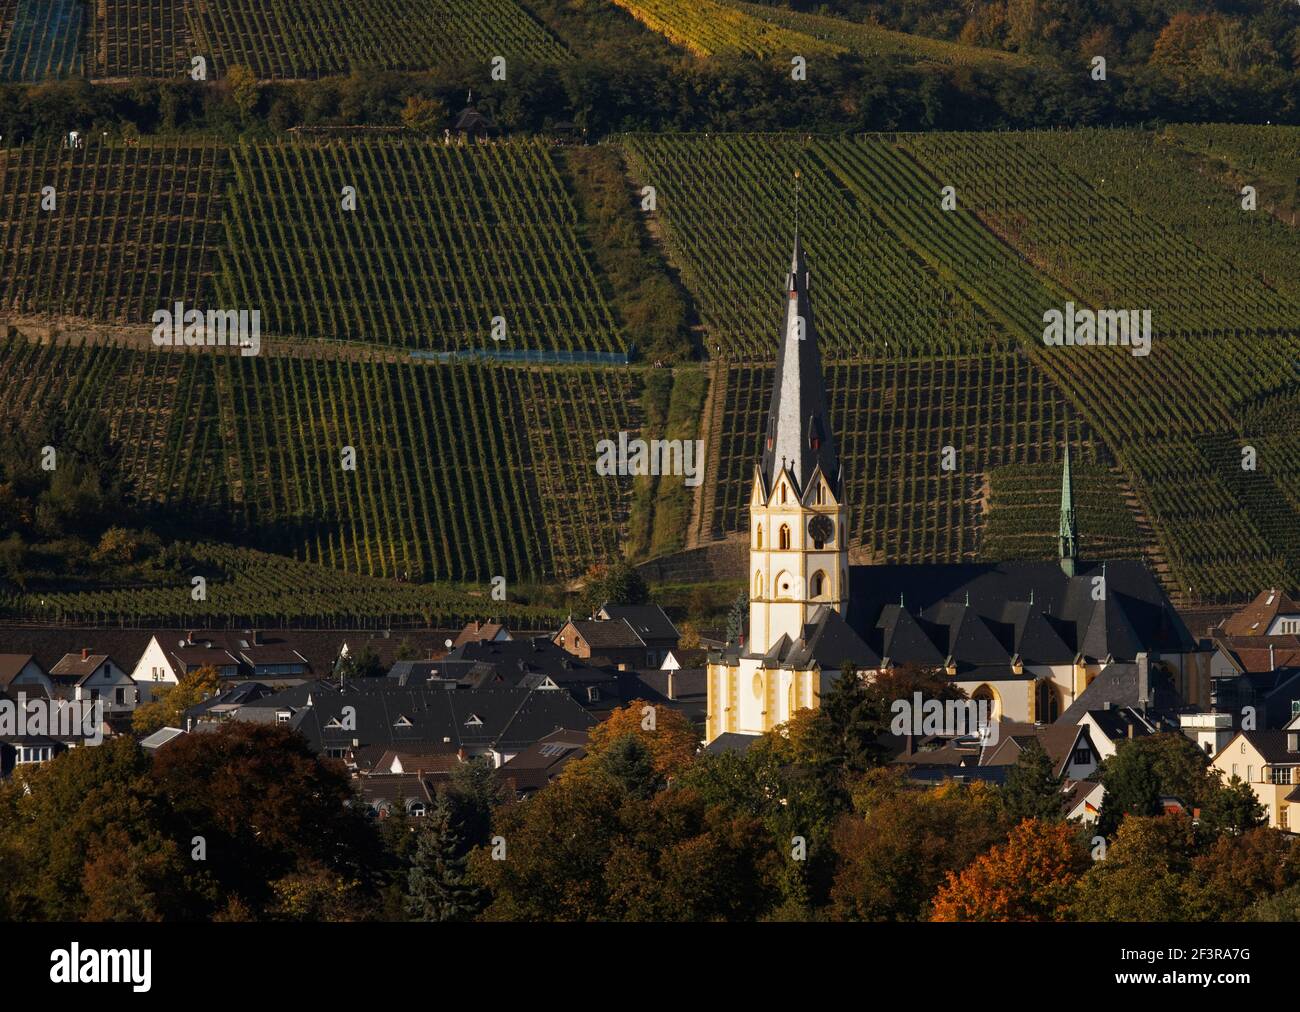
(798, 436)
(1069, 531)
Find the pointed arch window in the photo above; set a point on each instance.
(758, 585)
(1047, 702)
(758, 534)
(818, 585)
(783, 495)
(784, 538)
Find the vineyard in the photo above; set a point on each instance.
(1024, 513)
(133, 228)
(726, 205)
(1041, 219)
(283, 39)
(892, 420)
(442, 241)
(41, 39)
(873, 40)
(710, 28)
(462, 472)
(246, 587)
(138, 38)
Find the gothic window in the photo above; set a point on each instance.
(1047, 702)
(758, 533)
(818, 584)
(758, 585)
(782, 495)
(785, 537)
(781, 586)
(985, 694)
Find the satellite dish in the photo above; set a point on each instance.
(447, 644)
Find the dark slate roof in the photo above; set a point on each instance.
(1272, 746)
(963, 774)
(601, 635)
(828, 643)
(648, 621)
(1117, 684)
(528, 663)
(542, 761)
(235, 695)
(798, 435)
(982, 614)
(730, 741)
(400, 718)
(471, 119)
(420, 672)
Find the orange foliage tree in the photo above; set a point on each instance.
(1028, 878)
(668, 736)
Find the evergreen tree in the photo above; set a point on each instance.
(437, 889)
(1232, 808)
(1132, 786)
(1032, 791)
(737, 616)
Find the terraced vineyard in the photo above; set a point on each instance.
(1024, 513)
(1038, 224)
(41, 39)
(442, 241)
(283, 39)
(892, 420)
(726, 205)
(246, 587)
(708, 28)
(873, 40)
(462, 472)
(133, 228)
(1224, 339)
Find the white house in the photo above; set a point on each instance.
(21, 673)
(88, 677)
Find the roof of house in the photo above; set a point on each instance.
(1272, 745)
(1256, 617)
(11, 666)
(1259, 654)
(611, 635)
(378, 789)
(504, 719)
(476, 632)
(76, 667)
(542, 761)
(1117, 685)
(648, 621)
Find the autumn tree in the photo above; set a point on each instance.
(1144, 873)
(264, 807)
(167, 708)
(583, 848)
(894, 857)
(1031, 877)
(1235, 870)
(423, 115)
(244, 89)
(668, 737)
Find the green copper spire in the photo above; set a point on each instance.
(1068, 537)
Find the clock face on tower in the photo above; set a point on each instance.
(821, 529)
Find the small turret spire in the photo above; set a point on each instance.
(1068, 534)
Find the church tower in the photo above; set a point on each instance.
(1068, 534)
(798, 524)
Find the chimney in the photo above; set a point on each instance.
(1144, 680)
(1272, 658)
(1130, 730)
(85, 653)
(671, 693)
(909, 746)
(189, 637)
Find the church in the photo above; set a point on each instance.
(1027, 637)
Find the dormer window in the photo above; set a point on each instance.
(474, 721)
(402, 721)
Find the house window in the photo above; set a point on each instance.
(593, 694)
(1283, 821)
(283, 717)
(1082, 756)
(416, 809)
(1280, 774)
(785, 537)
(119, 697)
(1250, 774)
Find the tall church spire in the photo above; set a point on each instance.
(1068, 536)
(798, 435)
